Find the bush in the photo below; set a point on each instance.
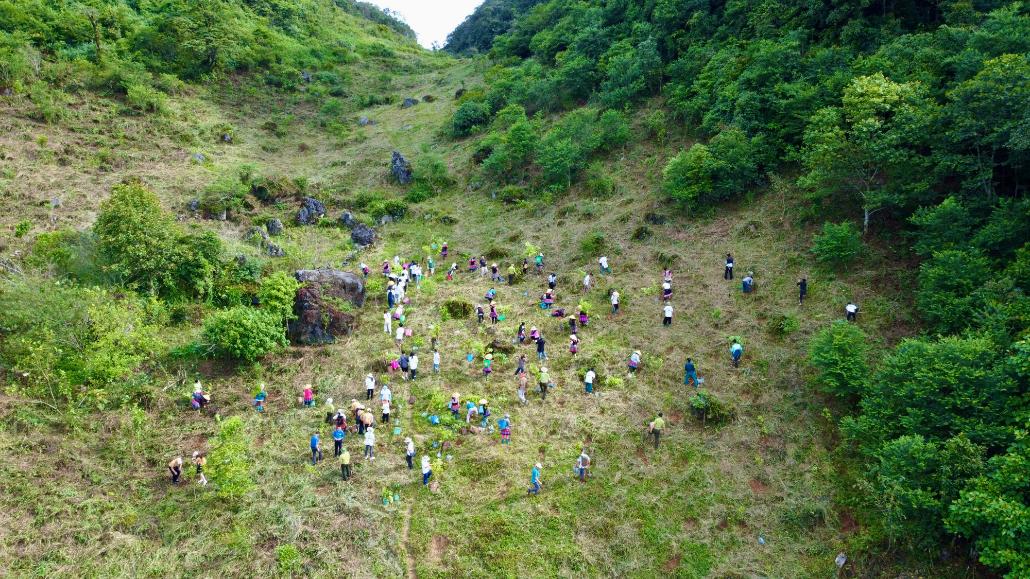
(49, 104)
(277, 294)
(705, 406)
(394, 208)
(457, 309)
(613, 130)
(431, 173)
(470, 116)
(838, 353)
(948, 297)
(707, 174)
(593, 244)
(147, 99)
(244, 333)
(784, 324)
(838, 244)
(229, 463)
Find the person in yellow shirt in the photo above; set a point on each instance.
(345, 464)
(656, 427)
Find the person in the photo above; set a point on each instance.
(399, 335)
(491, 295)
(413, 364)
(455, 404)
(391, 295)
(175, 467)
(451, 271)
(586, 283)
(345, 464)
(493, 314)
(802, 290)
(655, 428)
(523, 383)
(520, 364)
(588, 380)
(338, 436)
(495, 275)
(728, 273)
(386, 267)
(259, 399)
(603, 262)
(544, 382)
(340, 420)
(571, 319)
(851, 311)
(482, 266)
(387, 322)
(552, 280)
(484, 413)
(431, 266)
(370, 386)
(443, 251)
(667, 314)
(666, 290)
(511, 274)
(522, 333)
(690, 373)
(582, 464)
(573, 344)
(488, 362)
(667, 275)
(386, 412)
(316, 451)
(541, 348)
(368, 419)
(436, 361)
(583, 318)
(470, 410)
(547, 300)
(534, 334)
(364, 269)
(427, 470)
(385, 395)
(736, 351)
(370, 442)
(200, 399)
(539, 259)
(409, 452)
(480, 314)
(747, 285)
(634, 362)
(504, 425)
(615, 302)
(534, 479)
(308, 396)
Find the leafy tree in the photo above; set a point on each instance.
(688, 177)
(838, 244)
(137, 238)
(706, 174)
(469, 116)
(559, 159)
(948, 296)
(632, 72)
(838, 352)
(229, 462)
(948, 225)
(277, 294)
(244, 333)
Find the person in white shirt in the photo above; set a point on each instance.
(436, 361)
(604, 264)
(427, 470)
(586, 282)
(588, 380)
(409, 452)
(370, 386)
(413, 364)
(370, 442)
(667, 314)
(385, 394)
(615, 302)
(399, 336)
(387, 322)
(851, 311)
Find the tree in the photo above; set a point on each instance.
(278, 293)
(229, 463)
(838, 244)
(688, 177)
(948, 296)
(838, 352)
(559, 158)
(948, 225)
(244, 333)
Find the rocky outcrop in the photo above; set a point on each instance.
(400, 168)
(274, 227)
(347, 220)
(311, 210)
(319, 305)
(363, 235)
(409, 102)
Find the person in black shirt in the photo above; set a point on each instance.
(802, 290)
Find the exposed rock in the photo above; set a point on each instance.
(347, 220)
(311, 211)
(400, 168)
(428, 98)
(274, 226)
(226, 138)
(385, 219)
(198, 157)
(55, 202)
(655, 218)
(193, 205)
(257, 236)
(364, 121)
(363, 235)
(459, 93)
(320, 319)
(274, 250)
(305, 76)
(409, 102)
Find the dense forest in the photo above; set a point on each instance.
(490, 19)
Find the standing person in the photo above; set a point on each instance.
(851, 311)
(495, 274)
(345, 464)
(582, 465)
(436, 361)
(521, 335)
(572, 323)
(667, 314)
(534, 479)
(523, 378)
(655, 428)
(488, 362)
(399, 335)
(484, 413)
(308, 396)
(175, 467)
(316, 451)
(386, 412)
(259, 399)
(504, 425)
(455, 405)
(634, 362)
(427, 470)
(615, 302)
(409, 452)
(603, 262)
(544, 382)
(493, 314)
(541, 348)
(802, 290)
(385, 395)
(525, 267)
(573, 344)
(539, 263)
(431, 265)
(443, 251)
(413, 364)
(586, 282)
(511, 274)
(387, 322)
(370, 442)
(588, 380)
(736, 351)
(482, 265)
(728, 273)
(690, 373)
(338, 436)
(666, 290)
(480, 314)
(364, 269)
(552, 280)
(521, 365)
(370, 386)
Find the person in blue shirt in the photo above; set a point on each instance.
(338, 436)
(259, 399)
(504, 425)
(736, 351)
(534, 479)
(315, 452)
(690, 373)
(747, 285)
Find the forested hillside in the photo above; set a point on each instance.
(166, 168)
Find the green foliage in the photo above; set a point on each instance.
(838, 244)
(948, 225)
(287, 558)
(229, 461)
(593, 244)
(559, 159)
(469, 117)
(244, 333)
(712, 410)
(146, 99)
(950, 297)
(431, 174)
(23, 228)
(277, 294)
(393, 208)
(838, 353)
(457, 309)
(706, 174)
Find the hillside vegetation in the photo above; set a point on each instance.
(879, 151)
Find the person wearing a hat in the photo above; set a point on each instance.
(573, 344)
(544, 381)
(175, 467)
(427, 470)
(504, 424)
(259, 399)
(409, 452)
(455, 404)
(484, 413)
(370, 443)
(470, 409)
(308, 395)
(340, 419)
(488, 362)
(199, 460)
(535, 480)
(634, 362)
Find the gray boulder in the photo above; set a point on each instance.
(311, 210)
(274, 226)
(320, 320)
(193, 205)
(274, 250)
(400, 168)
(347, 220)
(363, 235)
(409, 102)
(364, 121)
(257, 236)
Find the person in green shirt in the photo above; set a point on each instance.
(656, 427)
(544, 381)
(345, 464)
(511, 274)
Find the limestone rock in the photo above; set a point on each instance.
(311, 211)
(320, 319)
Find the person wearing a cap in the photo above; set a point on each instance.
(504, 425)
(338, 436)
(409, 452)
(544, 381)
(427, 470)
(175, 467)
(535, 480)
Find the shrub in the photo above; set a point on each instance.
(593, 244)
(244, 333)
(838, 353)
(559, 159)
(613, 130)
(657, 126)
(457, 309)
(277, 294)
(431, 173)
(146, 98)
(229, 463)
(785, 324)
(49, 103)
(948, 297)
(706, 407)
(365, 199)
(706, 174)
(287, 558)
(469, 116)
(394, 208)
(23, 228)
(838, 244)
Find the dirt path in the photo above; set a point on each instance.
(405, 528)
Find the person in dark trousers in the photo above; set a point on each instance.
(175, 467)
(736, 351)
(655, 428)
(541, 351)
(316, 452)
(345, 464)
(851, 311)
(409, 452)
(802, 290)
(338, 436)
(689, 373)
(728, 274)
